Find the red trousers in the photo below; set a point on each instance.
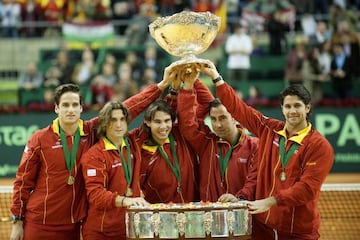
(262, 232)
(87, 235)
(44, 232)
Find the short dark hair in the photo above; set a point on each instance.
(60, 90)
(104, 117)
(214, 103)
(296, 90)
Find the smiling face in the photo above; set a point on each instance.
(160, 126)
(295, 112)
(117, 126)
(69, 108)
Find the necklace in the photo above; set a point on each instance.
(70, 158)
(174, 168)
(126, 165)
(285, 156)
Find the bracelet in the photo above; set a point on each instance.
(122, 201)
(219, 78)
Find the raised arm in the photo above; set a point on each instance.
(139, 102)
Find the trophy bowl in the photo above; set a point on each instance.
(185, 34)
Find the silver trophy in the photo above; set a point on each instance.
(185, 34)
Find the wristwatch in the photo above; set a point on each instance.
(15, 219)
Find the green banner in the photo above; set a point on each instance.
(340, 126)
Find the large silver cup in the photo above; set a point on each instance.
(185, 34)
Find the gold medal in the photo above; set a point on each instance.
(70, 180)
(282, 176)
(129, 192)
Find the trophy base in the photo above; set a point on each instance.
(188, 62)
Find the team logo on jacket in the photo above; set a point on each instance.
(116, 163)
(243, 160)
(57, 145)
(276, 141)
(91, 172)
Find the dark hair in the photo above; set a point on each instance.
(296, 90)
(158, 106)
(214, 103)
(60, 90)
(104, 117)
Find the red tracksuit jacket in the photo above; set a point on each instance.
(297, 197)
(41, 193)
(240, 176)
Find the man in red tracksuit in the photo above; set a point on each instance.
(293, 163)
(169, 164)
(227, 155)
(49, 200)
(111, 168)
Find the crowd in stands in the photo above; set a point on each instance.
(326, 50)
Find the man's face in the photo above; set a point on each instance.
(117, 127)
(295, 111)
(222, 122)
(69, 108)
(160, 126)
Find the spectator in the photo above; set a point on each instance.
(84, 70)
(238, 46)
(91, 10)
(149, 78)
(31, 78)
(53, 14)
(341, 73)
(52, 77)
(46, 104)
(308, 24)
(351, 43)
(294, 62)
(338, 13)
(276, 30)
(11, 18)
(125, 86)
(30, 13)
(321, 35)
(137, 31)
(121, 11)
(256, 98)
(63, 63)
(136, 64)
(108, 73)
(152, 60)
(29, 81)
(101, 92)
(314, 76)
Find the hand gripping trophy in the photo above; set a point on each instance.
(185, 34)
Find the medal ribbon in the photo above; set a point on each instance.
(70, 159)
(175, 169)
(284, 157)
(126, 166)
(225, 162)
